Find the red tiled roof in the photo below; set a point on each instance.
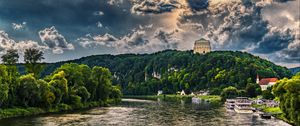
(266, 81)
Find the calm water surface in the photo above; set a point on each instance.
(134, 112)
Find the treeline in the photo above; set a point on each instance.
(180, 70)
(288, 92)
(173, 71)
(69, 86)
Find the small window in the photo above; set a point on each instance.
(203, 51)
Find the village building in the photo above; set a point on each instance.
(202, 46)
(264, 83)
(159, 92)
(182, 92)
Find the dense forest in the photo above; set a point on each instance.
(70, 86)
(288, 92)
(173, 71)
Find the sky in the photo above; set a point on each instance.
(70, 29)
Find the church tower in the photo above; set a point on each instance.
(202, 46)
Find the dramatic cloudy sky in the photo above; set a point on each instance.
(69, 29)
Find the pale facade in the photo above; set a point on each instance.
(264, 83)
(202, 46)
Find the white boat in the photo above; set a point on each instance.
(243, 105)
(230, 103)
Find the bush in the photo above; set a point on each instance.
(229, 92)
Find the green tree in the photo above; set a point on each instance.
(83, 93)
(32, 57)
(60, 86)
(267, 94)
(253, 90)
(3, 85)
(288, 92)
(115, 92)
(229, 92)
(28, 90)
(10, 59)
(102, 77)
(47, 97)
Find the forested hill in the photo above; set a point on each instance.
(173, 71)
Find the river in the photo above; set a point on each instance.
(133, 112)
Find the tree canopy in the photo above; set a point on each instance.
(173, 71)
(70, 84)
(288, 92)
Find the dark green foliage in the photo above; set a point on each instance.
(71, 84)
(82, 92)
(253, 90)
(178, 70)
(60, 86)
(3, 85)
(69, 87)
(242, 93)
(229, 93)
(11, 57)
(267, 94)
(288, 92)
(32, 57)
(215, 91)
(102, 78)
(27, 91)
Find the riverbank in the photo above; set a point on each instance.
(171, 97)
(210, 98)
(275, 111)
(31, 111)
(167, 97)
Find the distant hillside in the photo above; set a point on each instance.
(295, 70)
(173, 71)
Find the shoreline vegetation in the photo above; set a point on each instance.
(70, 87)
(274, 111)
(172, 97)
(167, 97)
(62, 108)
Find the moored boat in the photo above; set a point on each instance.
(230, 103)
(265, 115)
(243, 105)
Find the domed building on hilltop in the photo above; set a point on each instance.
(202, 46)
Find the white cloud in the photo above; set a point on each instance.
(99, 24)
(16, 26)
(98, 13)
(153, 6)
(7, 43)
(114, 2)
(55, 41)
(141, 40)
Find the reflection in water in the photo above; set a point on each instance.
(144, 112)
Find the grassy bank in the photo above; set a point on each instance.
(211, 98)
(31, 111)
(275, 111)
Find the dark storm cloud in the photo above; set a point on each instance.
(73, 17)
(165, 37)
(153, 6)
(275, 40)
(140, 26)
(198, 4)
